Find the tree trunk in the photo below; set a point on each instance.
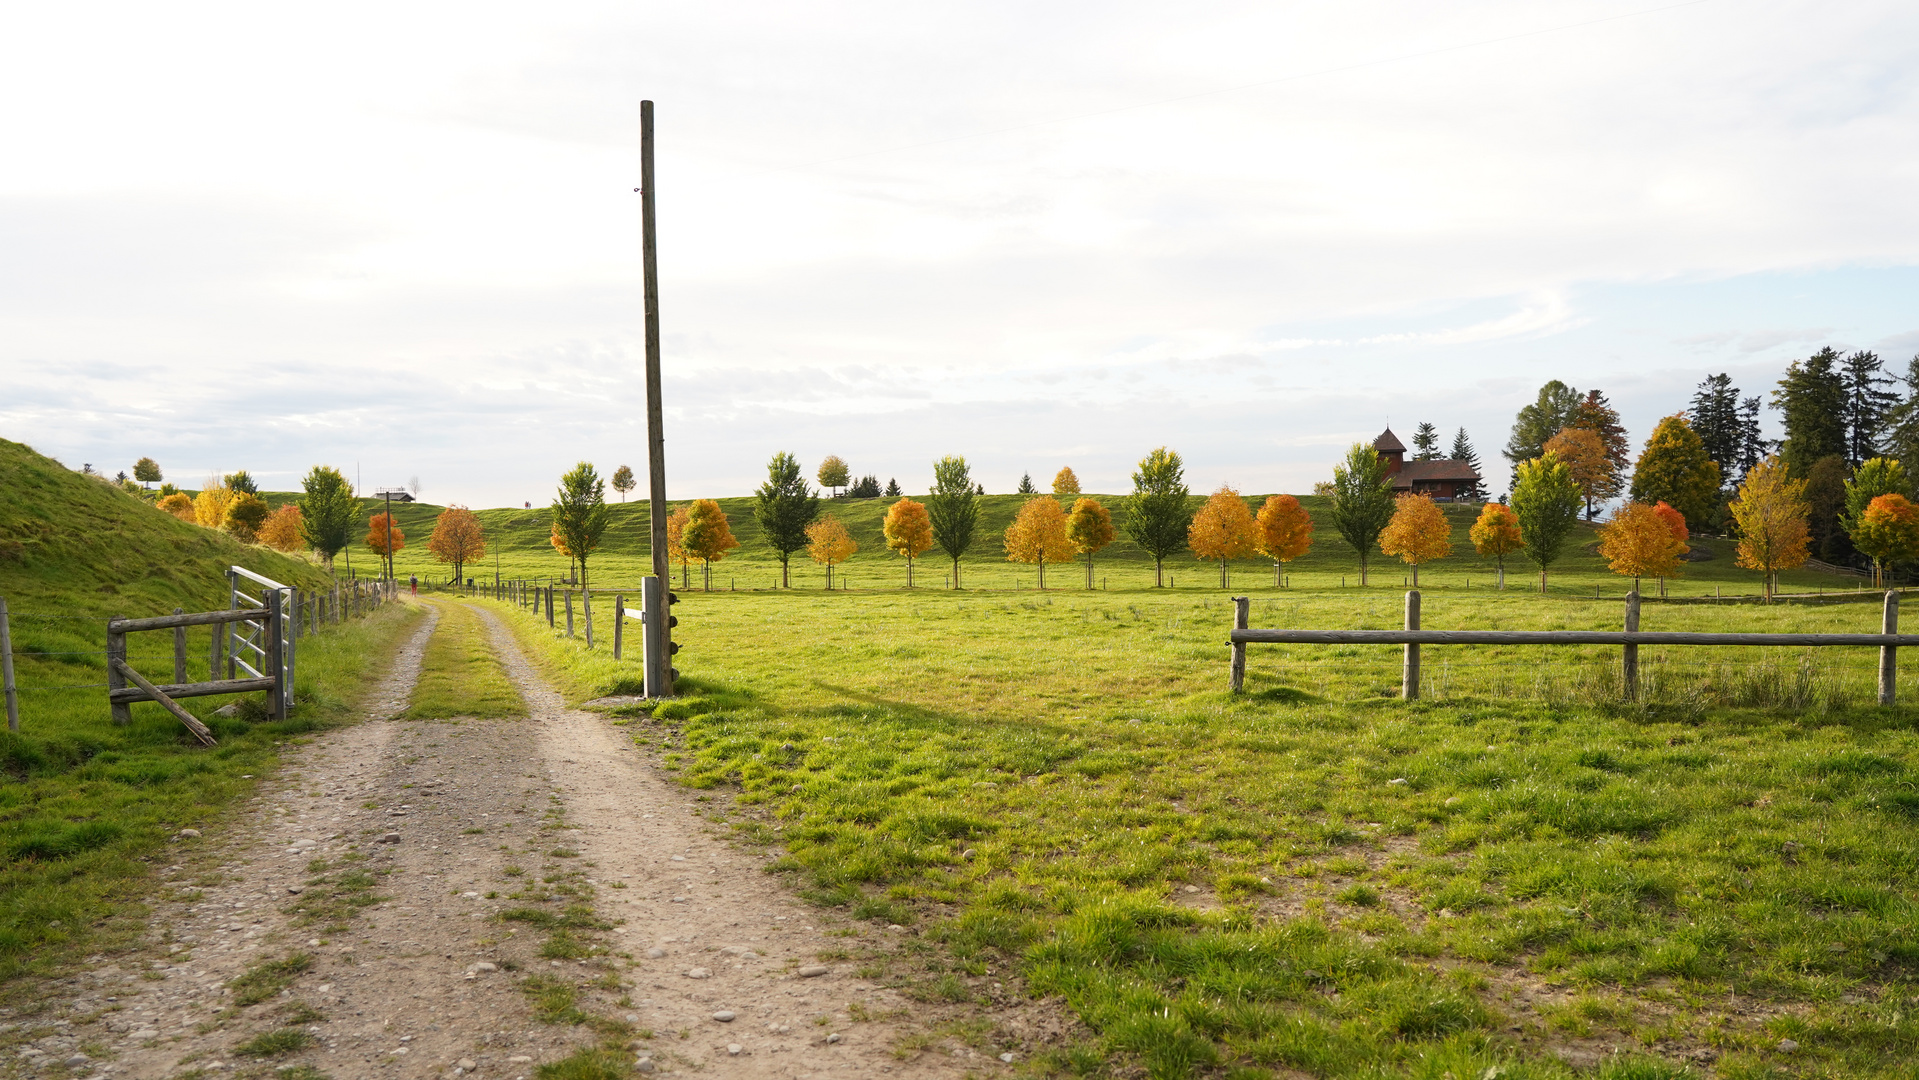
(956, 578)
(686, 574)
(1222, 574)
(829, 577)
(786, 578)
(1362, 568)
(909, 571)
(1042, 573)
(1542, 579)
(1159, 577)
(706, 575)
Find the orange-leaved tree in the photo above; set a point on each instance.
(284, 529)
(1639, 542)
(1090, 528)
(1038, 535)
(1771, 514)
(1064, 482)
(1223, 529)
(828, 542)
(708, 536)
(1675, 521)
(1887, 532)
(180, 505)
(909, 531)
(1496, 534)
(380, 529)
(676, 546)
(1418, 532)
(559, 545)
(1285, 532)
(458, 539)
(1585, 456)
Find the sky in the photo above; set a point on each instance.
(403, 239)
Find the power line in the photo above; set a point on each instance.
(1361, 65)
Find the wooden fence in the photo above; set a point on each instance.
(1629, 639)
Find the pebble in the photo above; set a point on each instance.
(1192, 888)
(519, 1059)
(189, 832)
(679, 899)
(679, 858)
(895, 926)
(644, 1065)
(1787, 1046)
(968, 853)
(734, 1049)
(296, 889)
(484, 966)
(833, 1038)
(1007, 1058)
(724, 1016)
(146, 1033)
(813, 971)
(1397, 780)
(390, 838)
(698, 973)
(655, 953)
(77, 1060)
(468, 1064)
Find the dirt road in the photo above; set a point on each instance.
(442, 898)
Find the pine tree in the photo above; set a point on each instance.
(1753, 447)
(1901, 431)
(1541, 420)
(892, 488)
(1867, 404)
(1812, 401)
(1715, 416)
(1425, 442)
(1463, 451)
(1826, 501)
(1026, 484)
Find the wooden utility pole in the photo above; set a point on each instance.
(657, 627)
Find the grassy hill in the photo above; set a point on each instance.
(86, 805)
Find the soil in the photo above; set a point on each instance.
(405, 875)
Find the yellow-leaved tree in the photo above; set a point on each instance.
(1639, 542)
(1285, 532)
(1887, 532)
(1418, 532)
(1496, 535)
(284, 530)
(676, 546)
(1585, 456)
(1090, 528)
(1038, 535)
(828, 542)
(909, 531)
(457, 539)
(210, 505)
(707, 536)
(1771, 514)
(1064, 482)
(180, 505)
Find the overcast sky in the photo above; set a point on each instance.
(403, 238)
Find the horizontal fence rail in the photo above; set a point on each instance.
(1412, 637)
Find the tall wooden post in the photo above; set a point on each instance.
(179, 650)
(1409, 675)
(569, 613)
(1888, 668)
(1241, 614)
(6, 670)
(1629, 653)
(117, 655)
(586, 613)
(619, 623)
(659, 676)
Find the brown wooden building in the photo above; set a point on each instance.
(1445, 478)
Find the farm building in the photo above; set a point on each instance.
(1443, 478)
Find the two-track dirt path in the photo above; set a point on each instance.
(430, 828)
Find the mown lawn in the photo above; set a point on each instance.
(1314, 876)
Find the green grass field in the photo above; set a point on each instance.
(1481, 882)
(460, 675)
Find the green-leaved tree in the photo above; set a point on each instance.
(1675, 470)
(147, 471)
(784, 506)
(327, 512)
(1873, 478)
(1157, 515)
(580, 513)
(1546, 501)
(1554, 409)
(950, 503)
(1362, 498)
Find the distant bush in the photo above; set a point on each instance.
(245, 515)
(179, 504)
(284, 530)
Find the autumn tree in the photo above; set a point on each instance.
(1638, 542)
(1873, 478)
(1496, 535)
(1090, 528)
(675, 548)
(1674, 468)
(458, 539)
(1038, 535)
(245, 514)
(283, 530)
(784, 506)
(559, 545)
(1362, 501)
(380, 530)
(210, 505)
(147, 471)
(1888, 532)
(953, 509)
(909, 531)
(1770, 512)
(327, 512)
(1546, 501)
(707, 536)
(835, 475)
(1223, 530)
(1595, 414)
(1418, 533)
(180, 505)
(828, 542)
(1282, 531)
(623, 481)
(1064, 482)
(580, 513)
(1585, 457)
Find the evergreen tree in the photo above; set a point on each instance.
(784, 506)
(1426, 442)
(1362, 500)
(1811, 399)
(242, 482)
(866, 487)
(1901, 433)
(1541, 421)
(952, 509)
(1026, 484)
(892, 488)
(1867, 404)
(1753, 448)
(1596, 414)
(1463, 451)
(1826, 503)
(1715, 418)
(1157, 517)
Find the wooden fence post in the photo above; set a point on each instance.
(619, 623)
(1629, 653)
(179, 650)
(1241, 605)
(1888, 669)
(569, 613)
(6, 670)
(586, 614)
(1409, 673)
(116, 655)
